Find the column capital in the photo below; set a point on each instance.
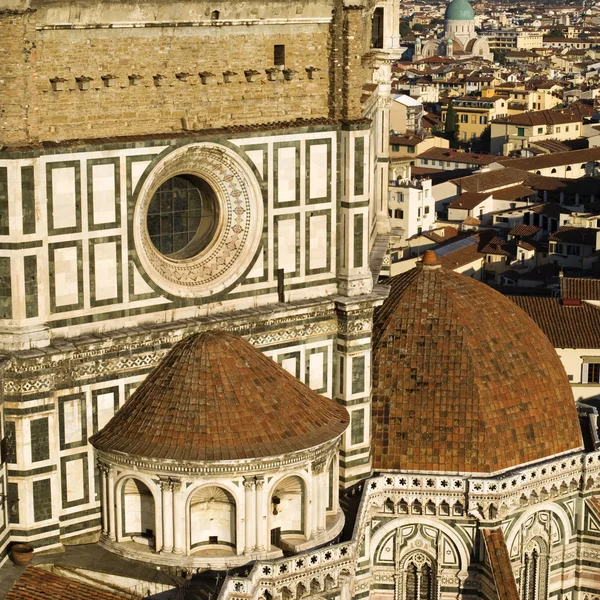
(104, 467)
(318, 466)
(259, 483)
(169, 484)
(249, 483)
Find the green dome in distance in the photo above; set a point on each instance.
(459, 10)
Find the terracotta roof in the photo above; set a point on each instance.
(578, 287)
(442, 234)
(556, 159)
(500, 247)
(463, 380)
(550, 146)
(522, 230)
(491, 180)
(541, 117)
(39, 584)
(468, 200)
(460, 157)
(566, 326)
(504, 578)
(471, 221)
(514, 192)
(575, 235)
(406, 140)
(216, 397)
(462, 256)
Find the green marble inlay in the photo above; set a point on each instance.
(31, 286)
(4, 227)
(13, 502)
(42, 500)
(28, 199)
(5, 289)
(357, 426)
(359, 166)
(10, 446)
(358, 374)
(40, 442)
(358, 241)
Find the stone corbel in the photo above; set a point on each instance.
(207, 77)
(83, 82)
(228, 76)
(310, 71)
(109, 80)
(134, 79)
(251, 75)
(273, 74)
(58, 84)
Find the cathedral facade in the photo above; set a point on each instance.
(459, 40)
(193, 213)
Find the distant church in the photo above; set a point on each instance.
(459, 40)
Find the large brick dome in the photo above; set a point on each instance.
(216, 397)
(464, 380)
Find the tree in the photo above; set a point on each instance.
(418, 28)
(404, 28)
(556, 33)
(451, 125)
(499, 56)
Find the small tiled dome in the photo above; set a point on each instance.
(463, 380)
(216, 397)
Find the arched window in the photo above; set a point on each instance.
(212, 520)
(215, 15)
(419, 578)
(534, 572)
(568, 169)
(286, 518)
(553, 171)
(137, 505)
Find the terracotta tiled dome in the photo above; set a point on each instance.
(216, 397)
(463, 380)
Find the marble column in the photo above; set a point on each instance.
(318, 507)
(260, 516)
(250, 513)
(322, 516)
(102, 468)
(110, 484)
(166, 487)
(178, 519)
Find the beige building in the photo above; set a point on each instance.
(513, 39)
(516, 131)
(474, 115)
(406, 113)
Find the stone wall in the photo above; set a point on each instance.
(73, 71)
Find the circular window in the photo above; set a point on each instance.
(197, 220)
(182, 217)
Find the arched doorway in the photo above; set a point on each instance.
(212, 519)
(286, 508)
(138, 516)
